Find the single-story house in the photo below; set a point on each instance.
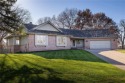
(47, 36)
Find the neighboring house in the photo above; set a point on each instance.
(48, 37)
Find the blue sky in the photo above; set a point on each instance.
(115, 9)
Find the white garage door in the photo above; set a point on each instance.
(100, 45)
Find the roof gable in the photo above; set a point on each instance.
(48, 26)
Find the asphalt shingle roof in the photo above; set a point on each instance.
(88, 33)
(74, 33)
(29, 26)
(47, 32)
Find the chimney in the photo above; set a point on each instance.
(30, 22)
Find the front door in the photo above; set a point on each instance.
(79, 43)
(74, 43)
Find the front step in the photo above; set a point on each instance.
(77, 48)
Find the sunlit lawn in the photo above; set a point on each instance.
(65, 66)
(121, 50)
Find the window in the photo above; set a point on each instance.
(17, 42)
(61, 41)
(41, 40)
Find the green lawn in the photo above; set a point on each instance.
(121, 50)
(65, 66)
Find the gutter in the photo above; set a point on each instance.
(48, 34)
(92, 37)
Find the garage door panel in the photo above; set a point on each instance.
(100, 45)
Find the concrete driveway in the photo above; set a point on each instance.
(111, 56)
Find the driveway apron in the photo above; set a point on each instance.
(111, 56)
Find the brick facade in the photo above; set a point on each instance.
(51, 44)
(30, 46)
(113, 42)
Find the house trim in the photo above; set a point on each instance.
(47, 23)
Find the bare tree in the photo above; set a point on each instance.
(43, 20)
(122, 32)
(52, 19)
(101, 21)
(67, 17)
(61, 19)
(83, 19)
(55, 21)
(23, 14)
(87, 20)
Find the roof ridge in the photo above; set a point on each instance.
(84, 30)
